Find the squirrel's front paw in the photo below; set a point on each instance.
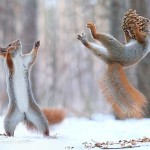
(37, 44)
(136, 28)
(91, 25)
(82, 38)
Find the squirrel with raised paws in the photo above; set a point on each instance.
(126, 101)
(22, 105)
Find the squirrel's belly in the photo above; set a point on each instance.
(132, 61)
(20, 91)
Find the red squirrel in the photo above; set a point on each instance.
(22, 105)
(126, 101)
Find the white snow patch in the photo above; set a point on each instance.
(72, 132)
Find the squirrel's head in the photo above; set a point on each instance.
(14, 47)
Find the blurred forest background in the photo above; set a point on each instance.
(66, 74)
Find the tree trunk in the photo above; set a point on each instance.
(29, 32)
(143, 71)
(117, 10)
(8, 33)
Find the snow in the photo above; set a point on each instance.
(73, 132)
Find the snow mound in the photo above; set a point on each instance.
(78, 133)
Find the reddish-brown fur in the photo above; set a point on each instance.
(126, 101)
(93, 30)
(30, 126)
(54, 115)
(139, 35)
(9, 62)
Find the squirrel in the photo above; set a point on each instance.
(22, 105)
(126, 101)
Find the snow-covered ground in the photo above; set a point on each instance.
(79, 134)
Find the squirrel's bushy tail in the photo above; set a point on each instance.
(54, 115)
(126, 101)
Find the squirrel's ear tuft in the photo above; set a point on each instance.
(37, 44)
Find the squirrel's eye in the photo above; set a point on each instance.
(110, 39)
(9, 45)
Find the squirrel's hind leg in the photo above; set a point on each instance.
(11, 120)
(36, 120)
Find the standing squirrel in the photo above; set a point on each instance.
(22, 105)
(126, 101)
